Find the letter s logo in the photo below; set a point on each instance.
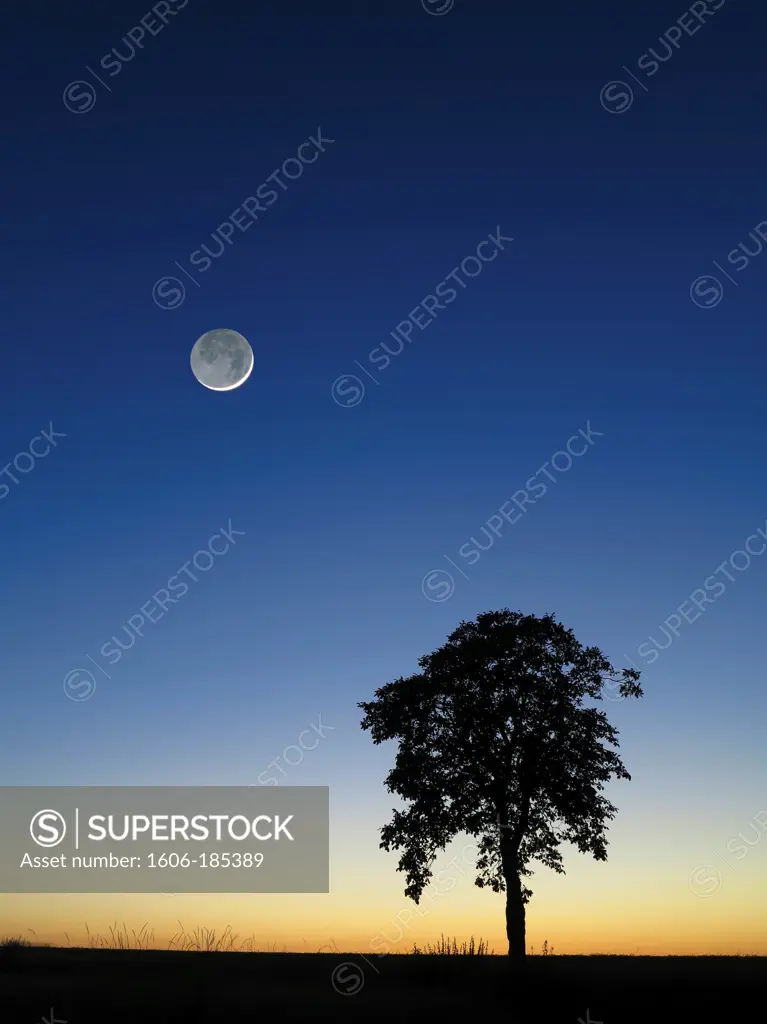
(48, 828)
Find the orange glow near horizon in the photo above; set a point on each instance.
(672, 885)
(587, 916)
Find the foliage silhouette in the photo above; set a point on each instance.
(495, 742)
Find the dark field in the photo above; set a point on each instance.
(85, 986)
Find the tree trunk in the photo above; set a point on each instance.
(510, 841)
(515, 920)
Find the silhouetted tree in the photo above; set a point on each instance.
(495, 742)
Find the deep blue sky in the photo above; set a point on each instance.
(444, 128)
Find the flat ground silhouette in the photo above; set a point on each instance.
(94, 986)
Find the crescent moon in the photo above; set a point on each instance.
(222, 360)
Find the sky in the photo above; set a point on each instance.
(616, 307)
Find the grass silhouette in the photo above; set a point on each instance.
(447, 948)
(123, 977)
(14, 942)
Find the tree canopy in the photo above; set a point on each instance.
(496, 741)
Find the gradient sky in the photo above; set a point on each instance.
(445, 128)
